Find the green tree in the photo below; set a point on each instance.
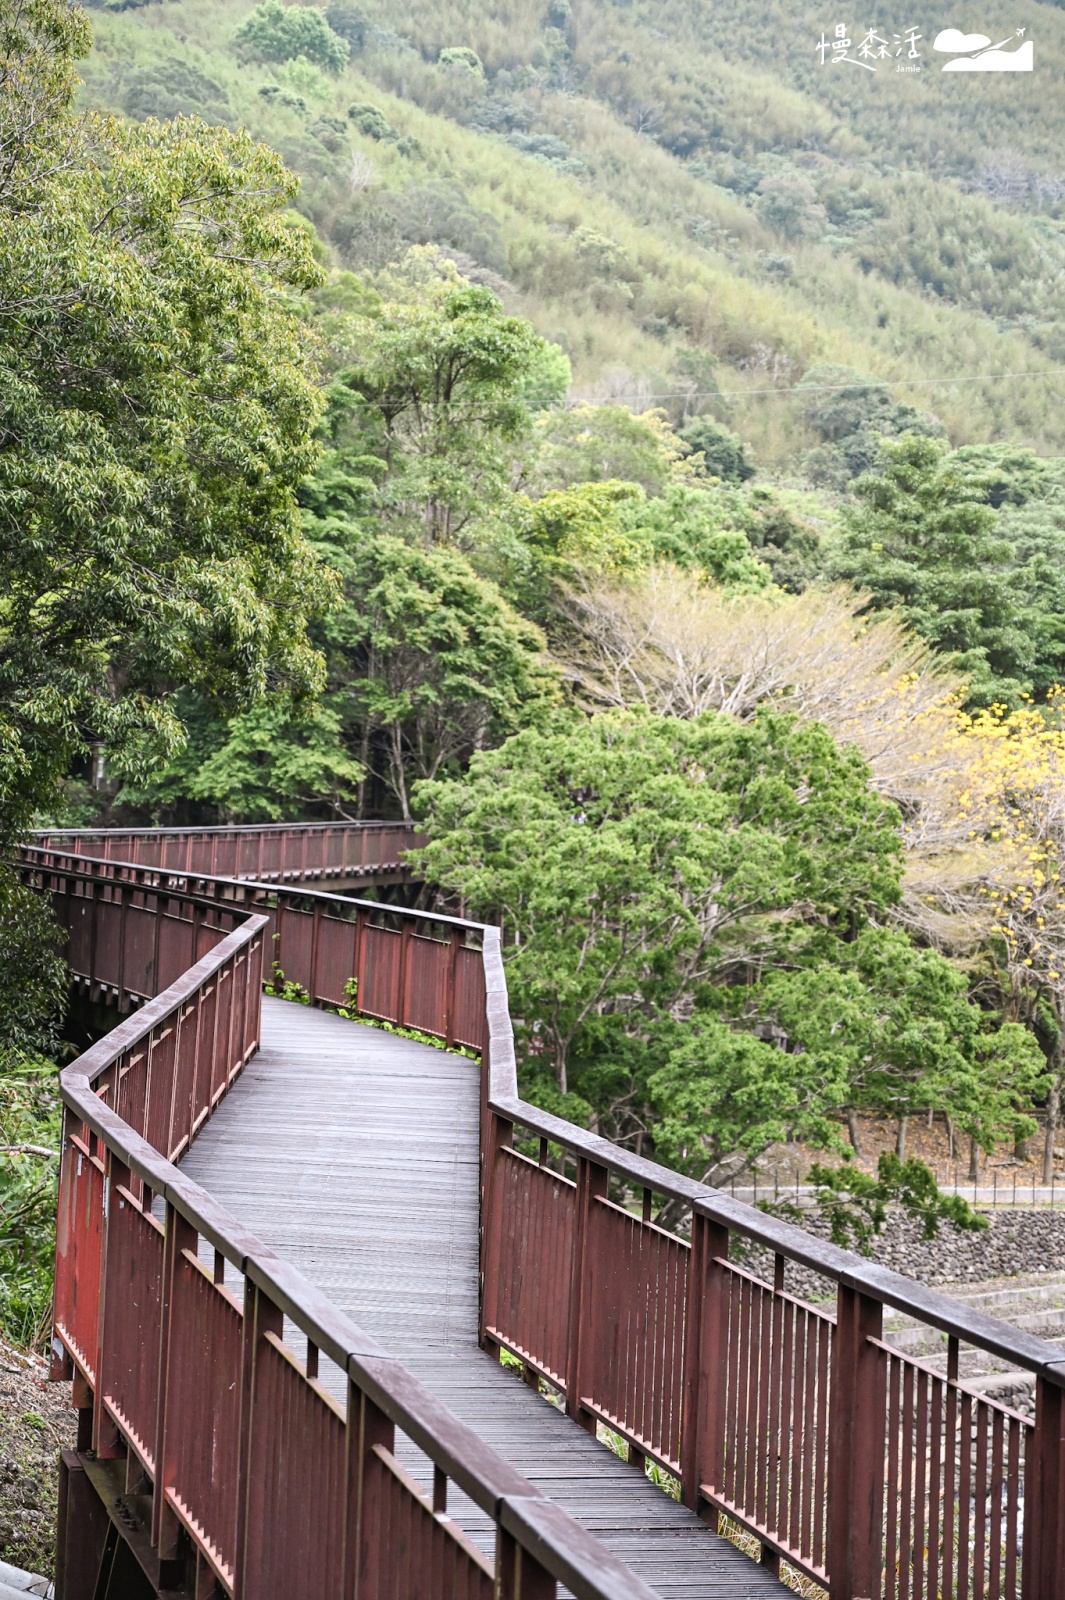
(596, 444)
(787, 202)
(427, 662)
(158, 410)
(460, 58)
(922, 538)
(851, 414)
(563, 536)
(724, 455)
(275, 762)
(692, 917)
(696, 529)
(435, 393)
(634, 859)
(866, 1024)
(274, 32)
(548, 376)
(1036, 531)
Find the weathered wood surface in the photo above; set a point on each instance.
(354, 1154)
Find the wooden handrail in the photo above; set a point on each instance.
(277, 851)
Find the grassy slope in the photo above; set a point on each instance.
(693, 252)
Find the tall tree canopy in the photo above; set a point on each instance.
(924, 538)
(427, 401)
(692, 915)
(157, 408)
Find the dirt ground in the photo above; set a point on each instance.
(931, 1144)
(36, 1422)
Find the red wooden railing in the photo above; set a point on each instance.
(181, 1368)
(868, 1471)
(133, 929)
(282, 852)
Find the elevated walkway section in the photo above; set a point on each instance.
(354, 1154)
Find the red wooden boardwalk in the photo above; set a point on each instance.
(286, 1371)
(354, 1154)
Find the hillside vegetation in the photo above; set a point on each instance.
(531, 423)
(680, 196)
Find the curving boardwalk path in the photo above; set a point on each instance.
(353, 1153)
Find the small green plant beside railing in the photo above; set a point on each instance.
(282, 988)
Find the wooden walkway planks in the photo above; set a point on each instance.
(354, 1154)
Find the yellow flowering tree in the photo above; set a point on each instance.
(1016, 802)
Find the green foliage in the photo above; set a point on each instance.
(1011, 475)
(31, 1124)
(438, 213)
(274, 32)
(172, 89)
(633, 859)
(851, 415)
(631, 186)
(428, 662)
(788, 203)
(563, 536)
(348, 22)
(599, 444)
(691, 916)
(157, 414)
(640, 175)
(724, 455)
(282, 988)
(459, 58)
(370, 121)
(276, 762)
(923, 538)
(35, 974)
(1035, 528)
(855, 1203)
(547, 378)
(435, 394)
(895, 1025)
(690, 528)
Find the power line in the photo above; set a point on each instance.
(847, 388)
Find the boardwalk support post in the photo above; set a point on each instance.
(591, 1185)
(856, 1449)
(1043, 1575)
(702, 1437)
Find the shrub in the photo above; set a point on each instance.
(724, 454)
(369, 120)
(457, 58)
(274, 32)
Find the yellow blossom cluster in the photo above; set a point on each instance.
(1015, 799)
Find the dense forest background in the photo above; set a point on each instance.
(611, 438)
(682, 197)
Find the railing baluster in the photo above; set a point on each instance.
(702, 1435)
(261, 1317)
(965, 1458)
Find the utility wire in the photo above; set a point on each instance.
(847, 388)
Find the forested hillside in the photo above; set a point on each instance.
(534, 423)
(680, 196)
